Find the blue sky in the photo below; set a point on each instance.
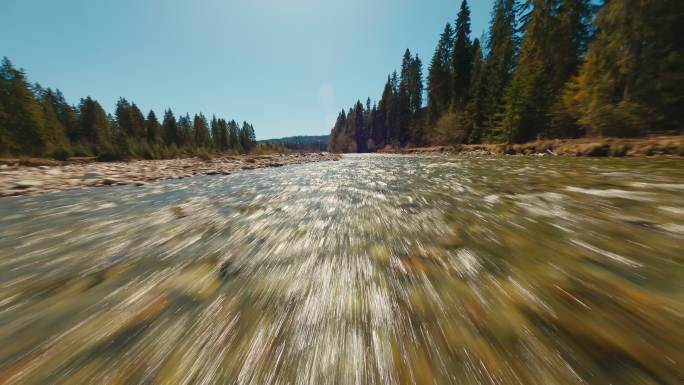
(287, 66)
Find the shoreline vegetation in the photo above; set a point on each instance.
(545, 70)
(655, 146)
(39, 122)
(35, 176)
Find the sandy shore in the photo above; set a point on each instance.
(17, 179)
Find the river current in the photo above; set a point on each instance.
(377, 269)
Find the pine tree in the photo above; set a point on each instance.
(439, 77)
(24, 121)
(385, 108)
(497, 69)
(415, 85)
(123, 117)
(247, 137)
(570, 37)
(223, 137)
(153, 128)
(235, 142)
(94, 126)
(185, 131)
(632, 81)
(65, 113)
(137, 122)
(474, 107)
(53, 128)
(529, 96)
(462, 58)
(200, 130)
(170, 128)
(357, 127)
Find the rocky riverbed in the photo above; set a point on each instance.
(17, 179)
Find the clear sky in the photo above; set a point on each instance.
(287, 66)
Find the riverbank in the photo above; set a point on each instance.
(36, 176)
(670, 146)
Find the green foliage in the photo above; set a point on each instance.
(462, 58)
(396, 120)
(452, 128)
(439, 77)
(39, 122)
(632, 81)
(546, 69)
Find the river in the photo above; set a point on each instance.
(378, 269)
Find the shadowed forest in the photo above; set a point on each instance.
(545, 69)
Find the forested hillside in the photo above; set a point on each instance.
(546, 69)
(35, 121)
(301, 143)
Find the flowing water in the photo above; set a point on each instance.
(371, 270)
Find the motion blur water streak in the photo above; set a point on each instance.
(378, 269)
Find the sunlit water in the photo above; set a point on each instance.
(371, 270)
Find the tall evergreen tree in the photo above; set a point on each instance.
(54, 129)
(462, 58)
(123, 116)
(474, 108)
(234, 133)
(357, 125)
(632, 81)
(137, 122)
(247, 137)
(415, 85)
(200, 130)
(94, 126)
(185, 131)
(170, 128)
(153, 128)
(497, 69)
(24, 125)
(529, 96)
(439, 77)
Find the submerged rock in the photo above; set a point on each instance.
(27, 184)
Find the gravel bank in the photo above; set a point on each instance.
(16, 179)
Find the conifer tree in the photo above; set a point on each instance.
(357, 127)
(123, 116)
(439, 77)
(94, 126)
(153, 128)
(462, 58)
(170, 128)
(23, 119)
(632, 81)
(497, 68)
(185, 131)
(415, 85)
(235, 139)
(200, 130)
(137, 122)
(529, 96)
(54, 130)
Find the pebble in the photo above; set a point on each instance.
(92, 175)
(27, 184)
(21, 180)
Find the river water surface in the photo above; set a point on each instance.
(371, 270)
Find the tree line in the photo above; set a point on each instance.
(299, 143)
(545, 69)
(35, 121)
